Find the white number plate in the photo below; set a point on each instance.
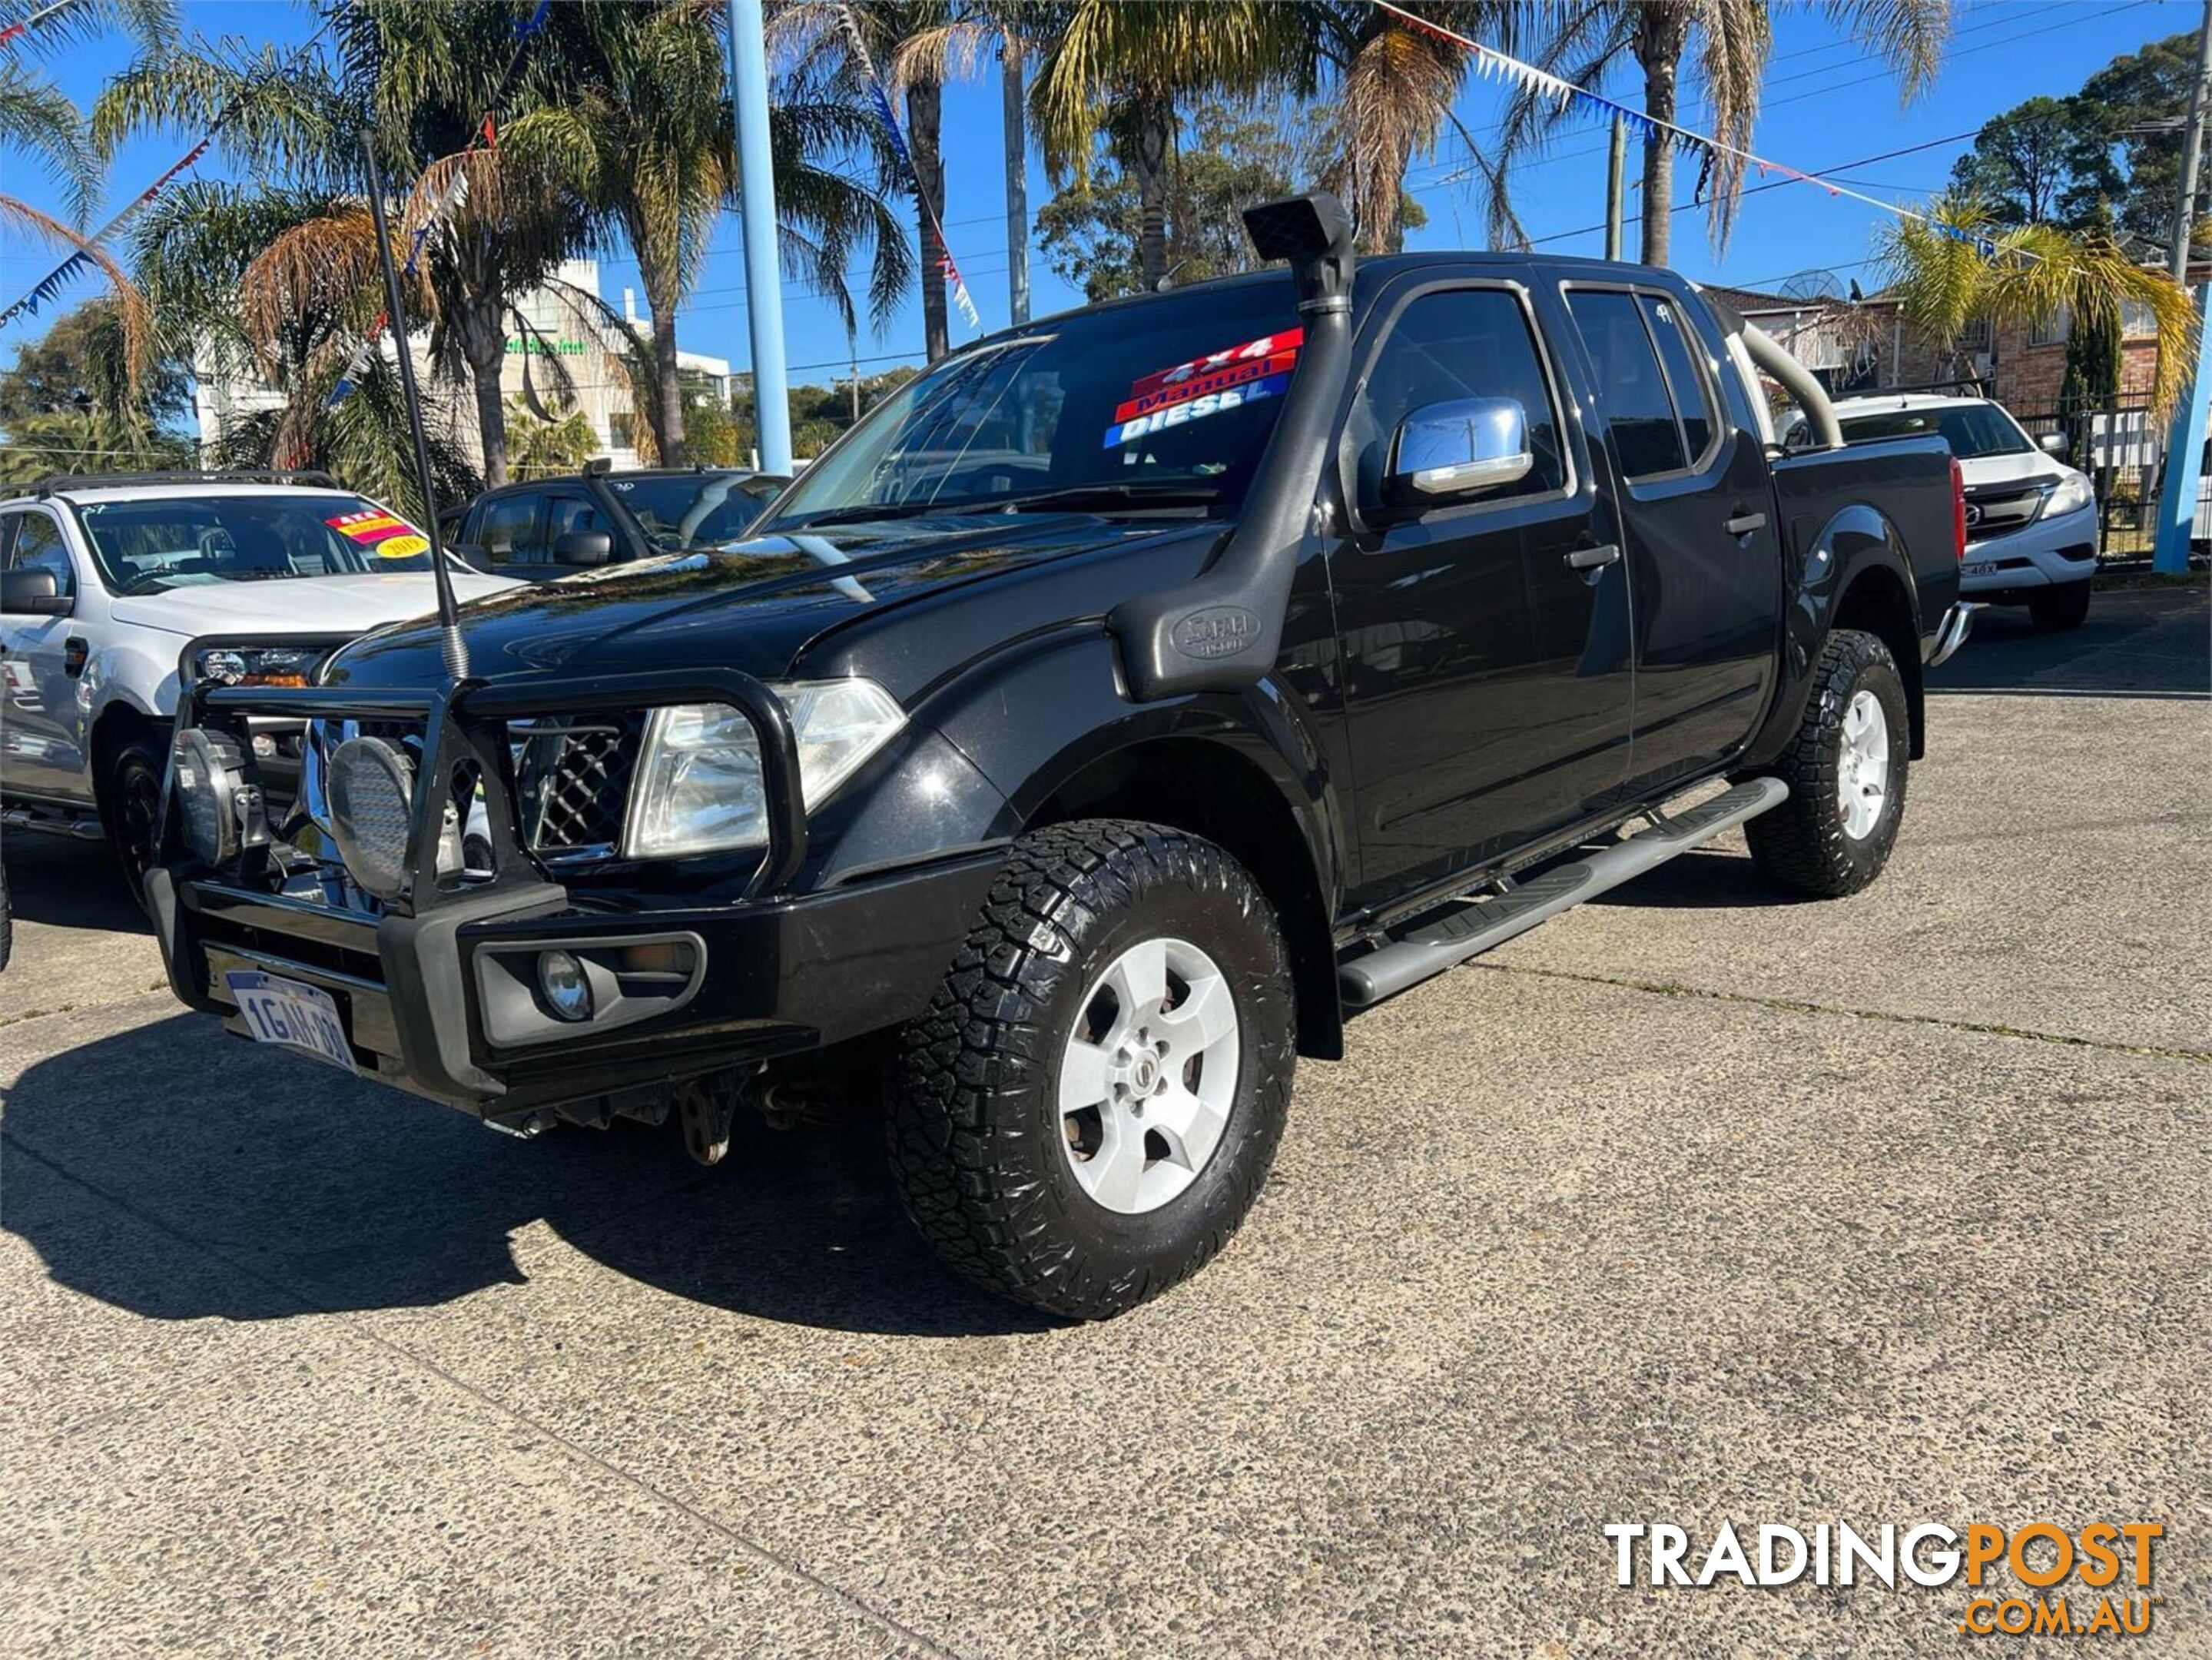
(291, 1015)
(1982, 568)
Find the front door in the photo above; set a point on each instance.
(1486, 640)
(42, 729)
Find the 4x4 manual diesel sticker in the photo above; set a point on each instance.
(388, 534)
(1201, 386)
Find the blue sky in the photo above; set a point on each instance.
(1828, 108)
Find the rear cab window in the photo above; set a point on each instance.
(1656, 398)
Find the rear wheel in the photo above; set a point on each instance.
(2061, 605)
(7, 922)
(131, 805)
(1846, 772)
(1088, 1108)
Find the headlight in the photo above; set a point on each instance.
(270, 666)
(2073, 493)
(699, 786)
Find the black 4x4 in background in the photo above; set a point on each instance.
(1127, 700)
(548, 527)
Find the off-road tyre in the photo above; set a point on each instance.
(129, 803)
(7, 922)
(976, 1140)
(1802, 845)
(2061, 606)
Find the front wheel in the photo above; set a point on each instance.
(1088, 1108)
(1846, 772)
(2062, 605)
(131, 805)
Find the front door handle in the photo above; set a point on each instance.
(1744, 523)
(1593, 558)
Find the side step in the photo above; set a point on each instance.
(1472, 929)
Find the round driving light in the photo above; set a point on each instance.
(562, 978)
(208, 769)
(372, 796)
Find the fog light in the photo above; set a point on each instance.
(562, 978)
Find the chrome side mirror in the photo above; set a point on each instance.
(1445, 452)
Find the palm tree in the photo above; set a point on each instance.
(1122, 70)
(1585, 41)
(644, 133)
(1958, 264)
(419, 76)
(194, 249)
(843, 49)
(37, 120)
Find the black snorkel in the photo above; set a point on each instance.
(1223, 629)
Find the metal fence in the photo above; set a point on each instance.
(2122, 449)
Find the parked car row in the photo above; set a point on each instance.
(118, 590)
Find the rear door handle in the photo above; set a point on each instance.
(1592, 558)
(1744, 523)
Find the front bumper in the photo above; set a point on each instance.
(2052, 551)
(438, 993)
(440, 1004)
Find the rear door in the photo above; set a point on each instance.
(1486, 674)
(1694, 512)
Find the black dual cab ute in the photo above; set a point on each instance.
(1125, 702)
(543, 529)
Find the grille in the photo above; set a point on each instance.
(1995, 512)
(576, 780)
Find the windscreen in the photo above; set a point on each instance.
(150, 547)
(1171, 398)
(1971, 429)
(698, 509)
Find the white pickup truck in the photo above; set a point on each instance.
(104, 581)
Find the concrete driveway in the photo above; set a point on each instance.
(1692, 1207)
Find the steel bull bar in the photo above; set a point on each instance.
(423, 1000)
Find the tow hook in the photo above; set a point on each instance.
(707, 1106)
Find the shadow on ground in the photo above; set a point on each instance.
(2139, 642)
(68, 883)
(316, 1191)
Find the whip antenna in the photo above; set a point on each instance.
(449, 620)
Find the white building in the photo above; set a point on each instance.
(564, 328)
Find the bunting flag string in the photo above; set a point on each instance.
(56, 280)
(22, 26)
(451, 200)
(947, 265)
(1494, 64)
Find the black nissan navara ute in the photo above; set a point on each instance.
(1128, 700)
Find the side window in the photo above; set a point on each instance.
(1632, 388)
(1455, 343)
(39, 546)
(508, 529)
(1692, 389)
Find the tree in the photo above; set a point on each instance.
(421, 76)
(644, 133)
(2029, 274)
(1233, 157)
(2048, 161)
(81, 365)
(843, 50)
(537, 447)
(1583, 43)
(1125, 70)
(2134, 89)
(38, 122)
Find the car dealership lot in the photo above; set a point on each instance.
(1691, 1206)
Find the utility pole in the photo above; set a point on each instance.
(757, 217)
(1018, 180)
(2192, 148)
(1616, 187)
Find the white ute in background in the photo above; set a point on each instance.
(104, 582)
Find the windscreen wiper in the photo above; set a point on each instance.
(1104, 498)
(862, 515)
